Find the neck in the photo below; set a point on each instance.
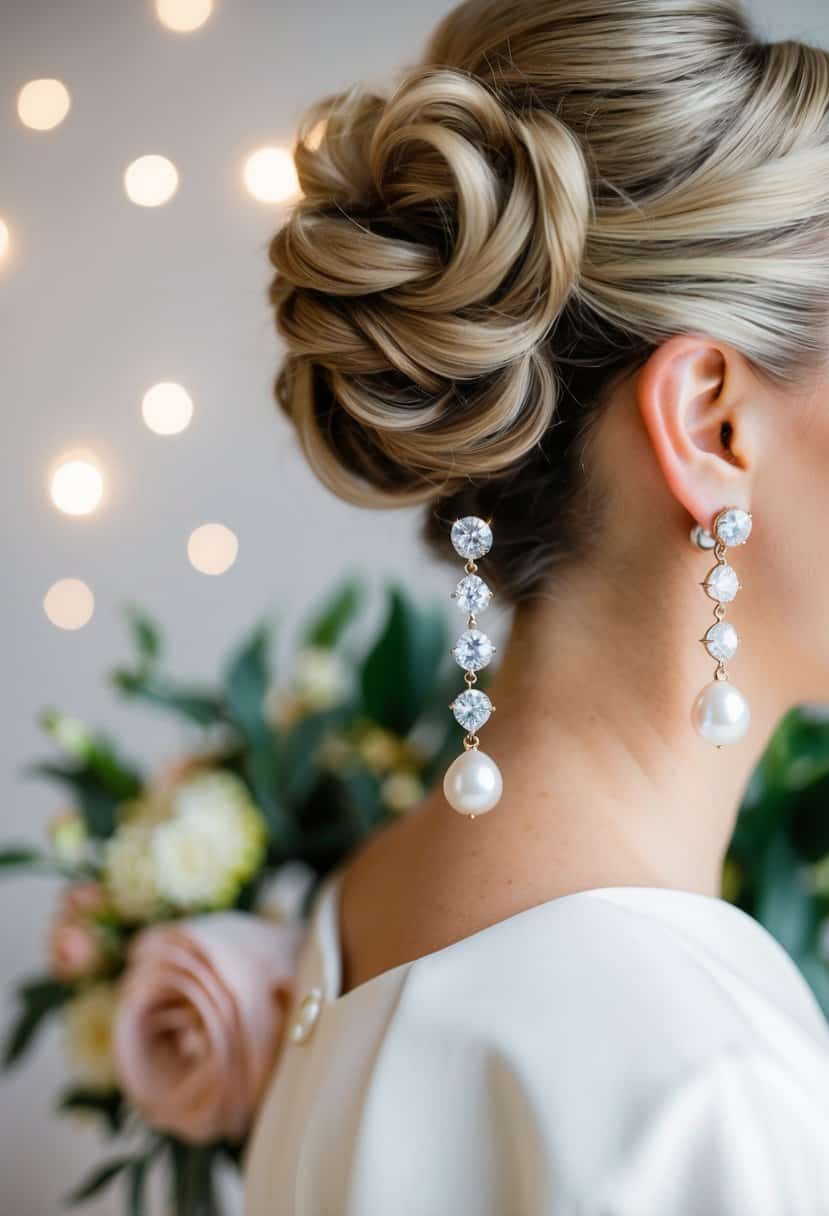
(605, 781)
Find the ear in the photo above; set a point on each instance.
(694, 399)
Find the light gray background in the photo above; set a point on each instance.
(100, 300)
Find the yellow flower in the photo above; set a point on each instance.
(89, 1020)
(401, 791)
(379, 749)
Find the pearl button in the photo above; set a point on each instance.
(721, 714)
(473, 783)
(306, 1017)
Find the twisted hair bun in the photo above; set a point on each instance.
(439, 236)
(561, 187)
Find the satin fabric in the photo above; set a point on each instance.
(618, 1052)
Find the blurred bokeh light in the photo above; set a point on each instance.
(167, 408)
(43, 104)
(76, 487)
(183, 16)
(151, 180)
(270, 176)
(212, 549)
(69, 604)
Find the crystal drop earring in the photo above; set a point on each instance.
(472, 784)
(721, 713)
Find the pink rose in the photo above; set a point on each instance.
(201, 1013)
(76, 947)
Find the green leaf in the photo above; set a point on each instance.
(399, 674)
(247, 680)
(99, 1179)
(784, 906)
(197, 704)
(97, 804)
(809, 820)
(110, 1106)
(328, 627)
(98, 779)
(193, 1191)
(18, 856)
(301, 751)
(136, 1184)
(145, 634)
(94, 753)
(37, 999)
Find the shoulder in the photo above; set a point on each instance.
(620, 1057)
(740, 1134)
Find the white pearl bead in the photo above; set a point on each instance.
(721, 714)
(473, 784)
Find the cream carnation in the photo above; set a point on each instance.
(130, 872)
(214, 842)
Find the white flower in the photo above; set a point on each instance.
(214, 842)
(282, 896)
(320, 677)
(401, 791)
(130, 871)
(89, 1020)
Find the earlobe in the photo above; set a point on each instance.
(693, 425)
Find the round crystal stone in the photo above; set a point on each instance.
(472, 709)
(721, 641)
(471, 537)
(733, 526)
(473, 650)
(722, 584)
(472, 595)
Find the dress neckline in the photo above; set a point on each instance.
(707, 921)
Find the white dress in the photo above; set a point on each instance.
(627, 1051)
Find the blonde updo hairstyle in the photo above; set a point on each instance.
(561, 186)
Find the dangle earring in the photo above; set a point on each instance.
(721, 713)
(473, 783)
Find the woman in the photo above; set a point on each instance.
(572, 277)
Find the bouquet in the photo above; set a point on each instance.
(174, 939)
(175, 934)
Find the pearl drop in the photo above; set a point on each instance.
(721, 714)
(473, 784)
